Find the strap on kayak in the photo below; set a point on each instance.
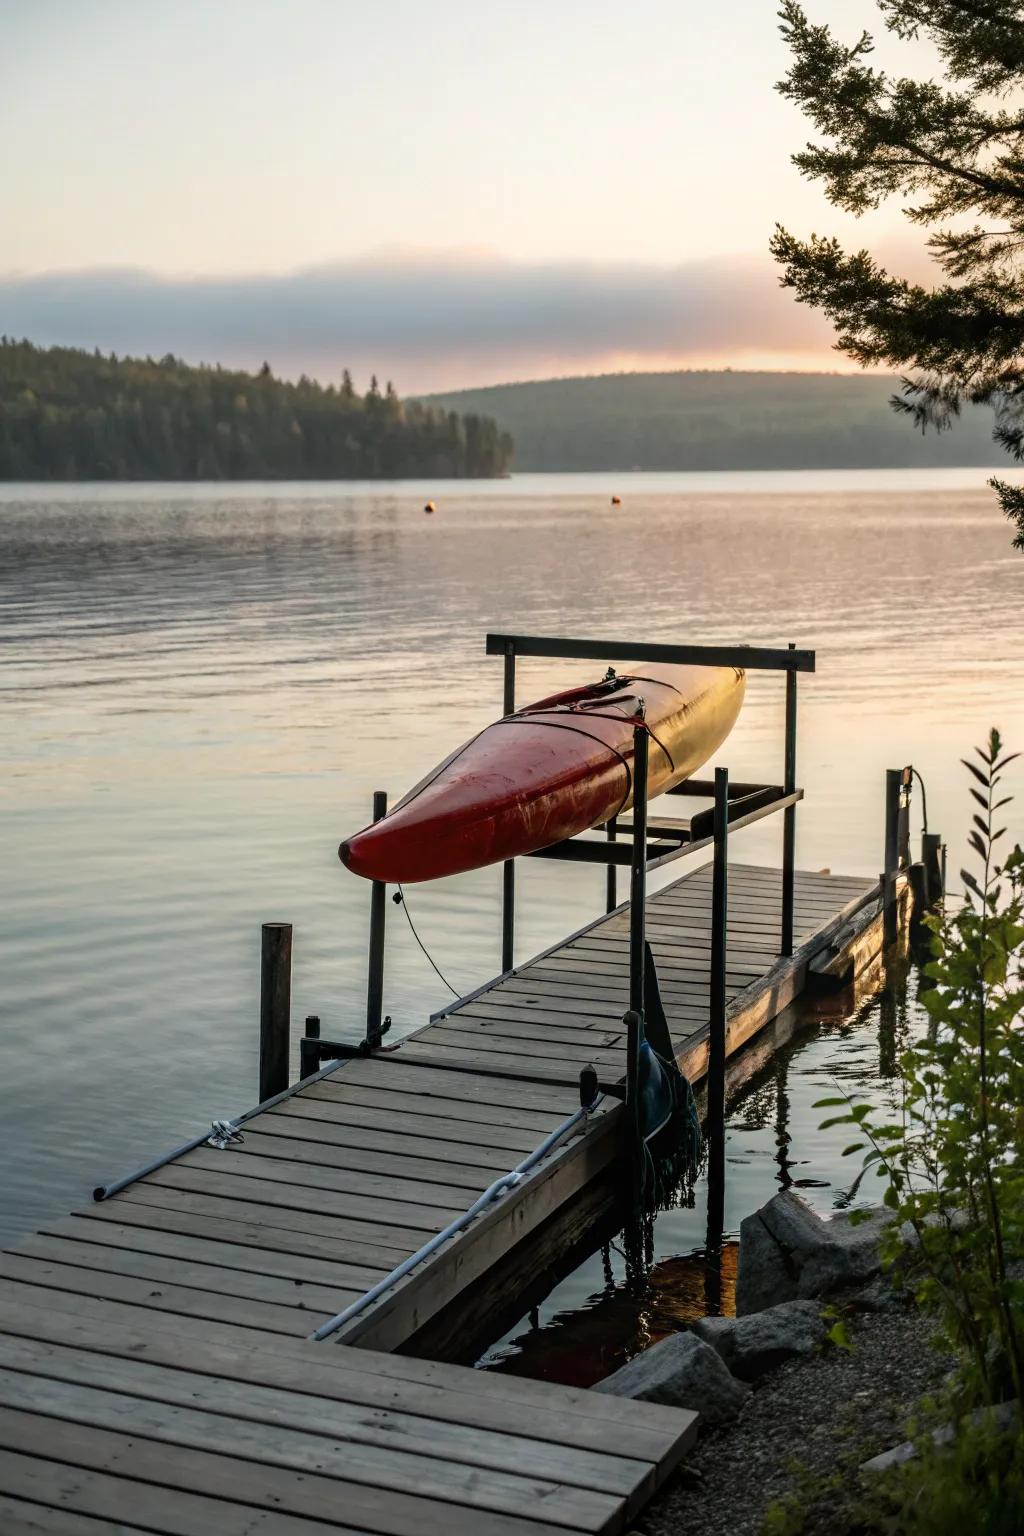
(532, 714)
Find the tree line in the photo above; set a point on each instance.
(718, 421)
(68, 414)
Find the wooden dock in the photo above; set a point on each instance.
(156, 1368)
(114, 1419)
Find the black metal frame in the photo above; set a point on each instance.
(758, 800)
(734, 807)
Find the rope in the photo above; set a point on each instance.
(399, 899)
(531, 713)
(924, 801)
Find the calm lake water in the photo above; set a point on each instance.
(202, 686)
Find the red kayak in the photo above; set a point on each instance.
(553, 769)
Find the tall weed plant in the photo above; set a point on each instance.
(954, 1159)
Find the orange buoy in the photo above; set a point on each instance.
(430, 507)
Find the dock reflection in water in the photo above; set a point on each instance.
(604, 1314)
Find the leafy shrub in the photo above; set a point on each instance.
(953, 1161)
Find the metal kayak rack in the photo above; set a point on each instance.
(641, 843)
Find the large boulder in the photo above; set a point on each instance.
(682, 1372)
(752, 1345)
(786, 1252)
(847, 1256)
(774, 1244)
(767, 1273)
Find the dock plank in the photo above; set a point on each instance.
(107, 1472)
(181, 1270)
(426, 1388)
(160, 1296)
(208, 1245)
(384, 1469)
(393, 1428)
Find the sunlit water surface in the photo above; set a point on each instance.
(202, 686)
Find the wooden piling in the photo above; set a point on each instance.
(309, 1048)
(275, 1008)
(931, 844)
(893, 796)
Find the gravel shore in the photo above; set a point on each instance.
(813, 1416)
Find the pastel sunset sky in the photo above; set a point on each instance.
(442, 191)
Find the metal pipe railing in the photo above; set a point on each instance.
(508, 872)
(491, 1193)
(378, 918)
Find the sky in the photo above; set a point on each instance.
(444, 192)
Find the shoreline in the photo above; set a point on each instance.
(803, 1434)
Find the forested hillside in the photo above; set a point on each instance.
(71, 415)
(718, 421)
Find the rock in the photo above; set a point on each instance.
(774, 1242)
(719, 1332)
(847, 1255)
(1003, 1417)
(752, 1345)
(792, 1223)
(786, 1252)
(682, 1372)
(960, 1221)
(880, 1295)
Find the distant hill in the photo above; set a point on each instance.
(705, 420)
(66, 414)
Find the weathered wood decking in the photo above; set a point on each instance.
(111, 1421)
(155, 1365)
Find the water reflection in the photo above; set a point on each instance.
(606, 1312)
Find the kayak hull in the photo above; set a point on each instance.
(550, 771)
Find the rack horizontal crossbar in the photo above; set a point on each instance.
(578, 850)
(754, 658)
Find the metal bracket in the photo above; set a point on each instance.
(313, 1050)
(591, 1086)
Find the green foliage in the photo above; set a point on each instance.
(716, 420)
(975, 1483)
(73, 415)
(838, 1334)
(953, 152)
(953, 1161)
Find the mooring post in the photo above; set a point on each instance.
(931, 844)
(893, 794)
(508, 872)
(611, 888)
(275, 1008)
(638, 871)
(309, 1047)
(378, 910)
(717, 1000)
(789, 814)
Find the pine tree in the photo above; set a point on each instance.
(955, 149)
